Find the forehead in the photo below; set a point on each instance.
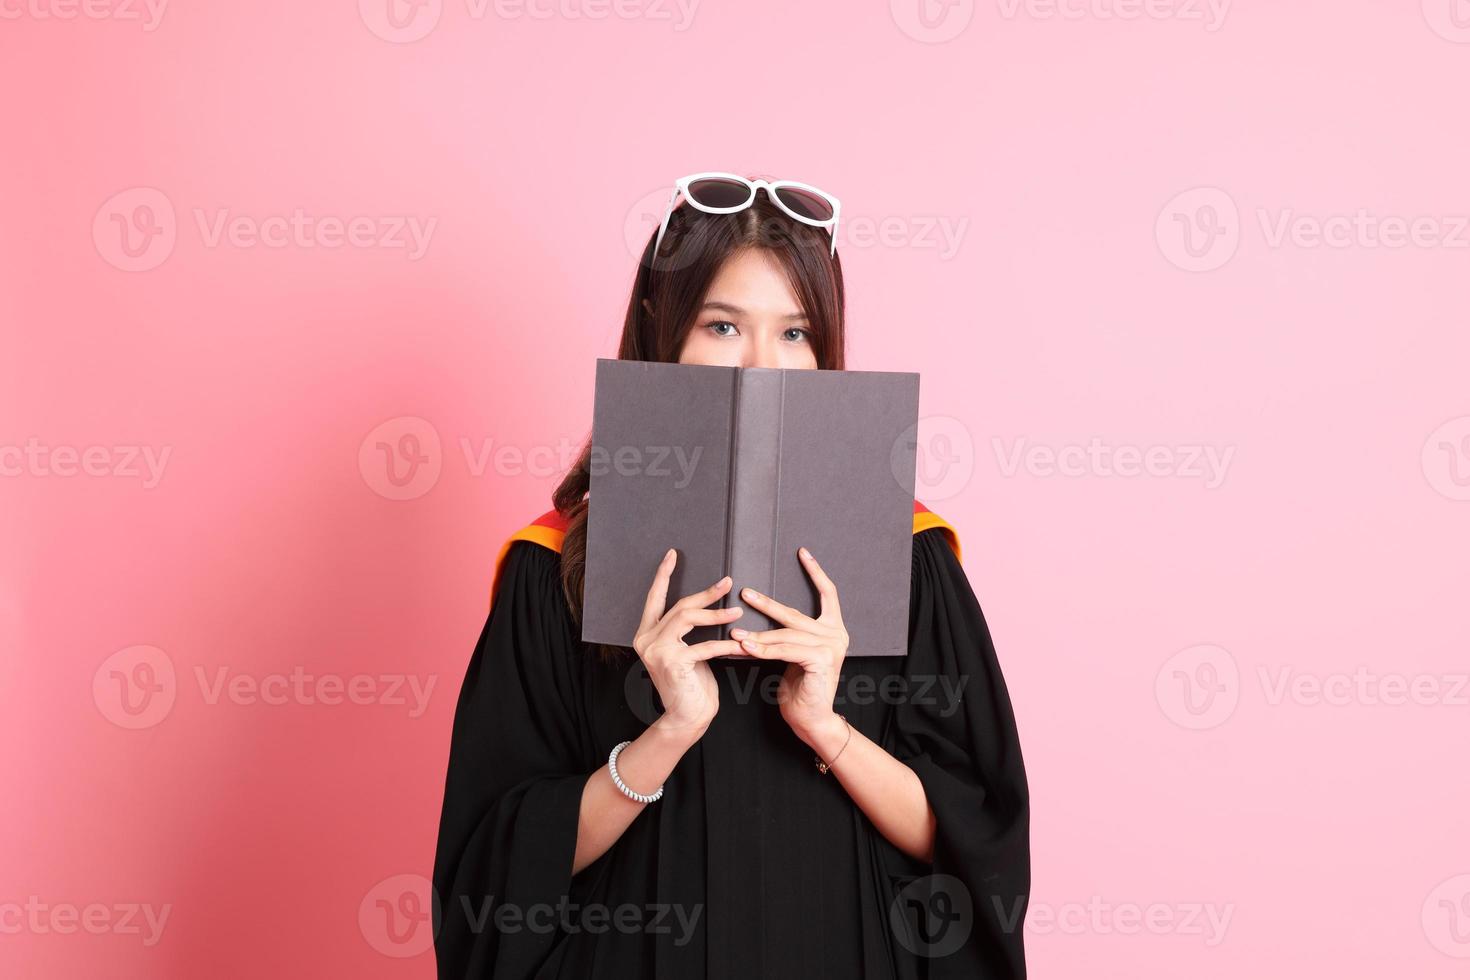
(753, 280)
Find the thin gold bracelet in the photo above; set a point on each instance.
(822, 767)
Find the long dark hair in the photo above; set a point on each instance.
(669, 290)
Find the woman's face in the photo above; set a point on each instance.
(750, 318)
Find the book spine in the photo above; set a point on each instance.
(755, 445)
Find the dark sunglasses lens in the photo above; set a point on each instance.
(716, 192)
(806, 204)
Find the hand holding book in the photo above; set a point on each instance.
(680, 672)
(814, 649)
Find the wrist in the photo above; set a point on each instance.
(826, 735)
(676, 734)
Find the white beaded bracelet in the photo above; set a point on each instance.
(612, 768)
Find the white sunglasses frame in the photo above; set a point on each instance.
(681, 186)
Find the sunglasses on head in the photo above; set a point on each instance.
(717, 193)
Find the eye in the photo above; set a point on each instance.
(716, 325)
(801, 334)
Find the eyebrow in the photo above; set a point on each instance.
(729, 308)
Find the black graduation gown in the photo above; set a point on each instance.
(753, 864)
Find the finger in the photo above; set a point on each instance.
(681, 621)
(793, 653)
(658, 593)
(831, 611)
(778, 611)
(702, 598)
(715, 648)
(783, 635)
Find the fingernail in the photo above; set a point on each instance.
(668, 554)
(739, 634)
(752, 594)
(750, 645)
(805, 553)
(725, 580)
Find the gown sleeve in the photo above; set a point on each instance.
(517, 767)
(967, 753)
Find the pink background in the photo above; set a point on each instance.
(1130, 193)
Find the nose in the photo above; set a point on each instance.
(762, 352)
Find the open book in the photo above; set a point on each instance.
(737, 468)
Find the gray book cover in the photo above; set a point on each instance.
(736, 468)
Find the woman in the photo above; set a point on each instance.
(790, 812)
